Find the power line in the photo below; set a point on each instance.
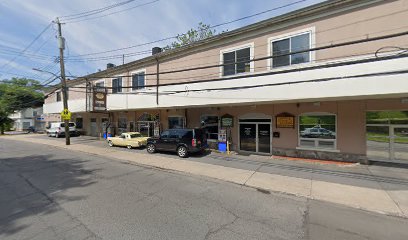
(102, 58)
(95, 11)
(105, 15)
(270, 57)
(169, 38)
(330, 65)
(28, 46)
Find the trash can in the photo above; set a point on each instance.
(222, 146)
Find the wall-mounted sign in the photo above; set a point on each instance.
(285, 120)
(99, 99)
(227, 120)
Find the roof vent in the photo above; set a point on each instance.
(110, 65)
(156, 50)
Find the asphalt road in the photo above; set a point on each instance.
(49, 193)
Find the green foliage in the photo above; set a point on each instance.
(387, 117)
(17, 94)
(193, 35)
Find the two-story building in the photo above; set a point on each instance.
(327, 81)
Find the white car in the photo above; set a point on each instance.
(57, 129)
(317, 132)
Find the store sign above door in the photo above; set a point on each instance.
(227, 120)
(285, 120)
(99, 99)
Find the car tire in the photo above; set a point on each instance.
(182, 152)
(129, 146)
(151, 148)
(110, 143)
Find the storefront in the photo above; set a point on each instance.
(254, 133)
(387, 136)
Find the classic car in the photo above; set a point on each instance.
(129, 140)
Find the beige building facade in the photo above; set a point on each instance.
(327, 81)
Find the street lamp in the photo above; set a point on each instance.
(65, 102)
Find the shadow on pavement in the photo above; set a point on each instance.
(30, 187)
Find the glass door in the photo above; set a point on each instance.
(400, 143)
(264, 138)
(378, 142)
(247, 136)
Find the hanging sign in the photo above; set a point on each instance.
(99, 99)
(227, 120)
(285, 120)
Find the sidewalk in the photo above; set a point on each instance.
(371, 188)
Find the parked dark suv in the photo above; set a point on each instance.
(182, 141)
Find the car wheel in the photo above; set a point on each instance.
(129, 146)
(110, 143)
(182, 152)
(151, 148)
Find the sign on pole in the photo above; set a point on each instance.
(66, 114)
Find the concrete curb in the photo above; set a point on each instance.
(369, 199)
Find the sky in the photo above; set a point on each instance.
(138, 22)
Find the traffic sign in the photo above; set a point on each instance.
(66, 114)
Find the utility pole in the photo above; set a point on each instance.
(61, 45)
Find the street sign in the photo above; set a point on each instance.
(66, 114)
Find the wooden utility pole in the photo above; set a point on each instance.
(61, 45)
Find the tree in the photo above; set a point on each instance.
(17, 94)
(193, 35)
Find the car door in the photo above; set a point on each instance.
(163, 142)
(122, 140)
(174, 139)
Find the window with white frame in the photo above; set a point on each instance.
(117, 85)
(292, 44)
(317, 131)
(236, 61)
(209, 123)
(138, 81)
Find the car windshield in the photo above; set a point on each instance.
(135, 135)
(69, 124)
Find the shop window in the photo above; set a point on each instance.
(176, 122)
(79, 123)
(210, 126)
(317, 131)
(288, 45)
(138, 81)
(117, 85)
(122, 123)
(236, 61)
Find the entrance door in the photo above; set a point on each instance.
(255, 136)
(247, 137)
(264, 138)
(399, 143)
(93, 127)
(387, 143)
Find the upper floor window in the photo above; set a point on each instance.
(289, 45)
(58, 96)
(117, 85)
(100, 84)
(236, 61)
(138, 81)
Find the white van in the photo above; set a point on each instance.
(57, 129)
